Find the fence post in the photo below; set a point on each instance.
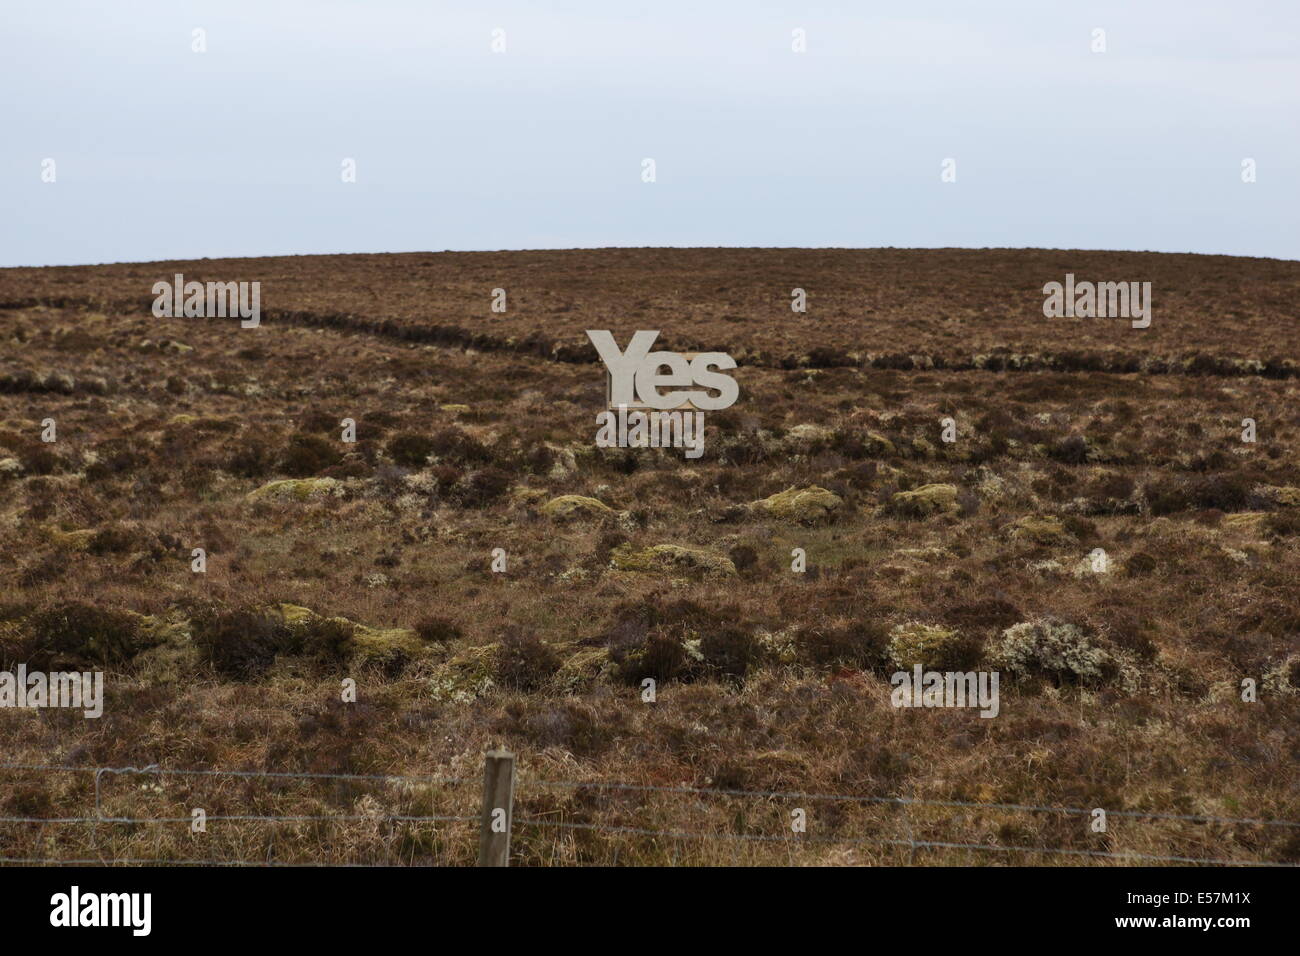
(498, 800)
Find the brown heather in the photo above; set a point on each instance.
(1119, 690)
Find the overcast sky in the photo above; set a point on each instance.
(164, 153)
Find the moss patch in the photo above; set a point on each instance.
(297, 489)
(934, 648)
(667, 558)
(362, 645)
(805, 505)
(71, 540)
(926, 500)
(1040, 529)
(566, 507)
(467, 676)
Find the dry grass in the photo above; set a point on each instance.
(769, 681)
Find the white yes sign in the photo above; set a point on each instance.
(635, 374)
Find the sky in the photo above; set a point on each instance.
(162, 152)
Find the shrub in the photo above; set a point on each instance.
(532, 457)
(445, 477)
(1130, 631)
(242, 643)
(575, 726)
(318, 422)
(327, 639)
(1166, 496)
(659, 656)
(860, 475)
(1083, 529)
(39, 459)
(410, 449)
(114, 457)
(524, 663)
(252, 458)
(43, 569)
(743, 557)
(1140, 563)
(454, 445)
(1070, 451)
(649, 639)
(308, 455)
(1111, 485)
(968, 503)
(1224, 492)
(115, 539)
(437, 630)
(729, 650)
(847, 644)
(821, 356)
(991, 613)
(378, 422)
(1284, 523)
(1051, 648)
(479, 488)
(600, 556)
(389, 481)
(81, 632)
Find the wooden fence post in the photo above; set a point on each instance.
(498, 801)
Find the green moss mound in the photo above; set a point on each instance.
(567, 507)
(803, 505)
(298, 489)
(926, 500)
(671, 558)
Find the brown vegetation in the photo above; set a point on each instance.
(372, 560)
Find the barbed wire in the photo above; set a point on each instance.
(36, 861)
(291, 818)
(168, 771)
(907, 801)
(652, 788)
(792, 840)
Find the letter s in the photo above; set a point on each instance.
(725, 384)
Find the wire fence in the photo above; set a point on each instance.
(539, 818)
